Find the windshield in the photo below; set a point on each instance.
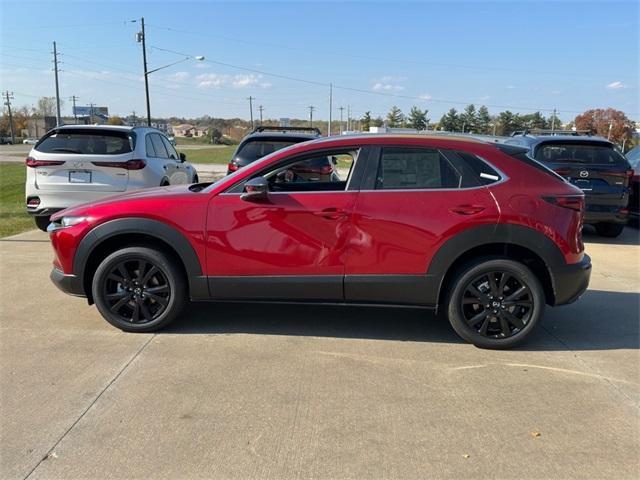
(255, 149)
(86, 142)
(579, 153)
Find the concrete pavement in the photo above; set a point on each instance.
(238, 391)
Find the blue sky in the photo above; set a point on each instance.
(518, 55)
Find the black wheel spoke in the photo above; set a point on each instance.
(122, 270)
(512, 319)
(517, 294)
(145, 310)
(503, 282)
(475, 319)
(485, 325)
(135, 316)
(472, 301)
(478, 294)
(504, 326)
(115, 278)
(152, 271)
(119, 304)
(117, 295)
(492, 284)
(159, 289)
(161, 300)
(141, 268)
(518, 303)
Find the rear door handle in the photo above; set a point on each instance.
(331, 213)
(467, 209)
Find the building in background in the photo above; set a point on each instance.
(188, 130)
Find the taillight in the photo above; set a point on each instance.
(233, 167)
(573, 202)
(33, 163)
(33, 202)
(625, 174)
(129, 165)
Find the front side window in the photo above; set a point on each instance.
(170, 150)
(158, 146)
(403, 168)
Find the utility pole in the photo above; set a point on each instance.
(142, 38)
(311, 109)
(330, 109)
(8, 96)
(341, 110)
(553, 120)
(73, 98)
(55, 69)
(91, 105)
(251, 110)
(261, 108)
(348, 118)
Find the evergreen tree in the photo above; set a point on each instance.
(418, 119)
(377, 122)
(365, 122)
(483, 121)
(450, 121)
(395, 118)
(468, 119)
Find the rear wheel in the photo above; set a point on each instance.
(495, 303)
(42, 222)
(139, 289)
(609, 229)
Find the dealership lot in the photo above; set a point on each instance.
(241, 391)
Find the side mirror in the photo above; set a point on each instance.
(183, 157)
(255, 190)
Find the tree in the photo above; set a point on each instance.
(609, 123)
(535, 121)
(553, 122)
(418, 118)
(483, 121)
(395, 118)
(377, 122)
(115, 120)
(365, 122)
(450, 121)
(468, 119)
(508, 122)
(47, 106)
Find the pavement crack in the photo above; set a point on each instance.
(84, 412)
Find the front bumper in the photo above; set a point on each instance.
(68, 283)
(571, 281)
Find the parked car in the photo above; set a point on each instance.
(77, 164)
(264, 140)
(633, 156)
(30, 141)
(592, 164)
(478, 231)
(6, 141)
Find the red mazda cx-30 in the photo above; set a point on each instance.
(480, 231)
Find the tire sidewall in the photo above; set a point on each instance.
(164, 264)
(478, 268)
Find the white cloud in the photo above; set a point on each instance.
(425, 96)
(178, 77)
(388, 84)
(616, 86)
(215, 80)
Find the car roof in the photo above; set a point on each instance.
(282, 135)
(532, 139)
(121, 128)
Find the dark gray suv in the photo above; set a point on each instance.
(591, 163)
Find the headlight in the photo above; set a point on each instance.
(71, 221)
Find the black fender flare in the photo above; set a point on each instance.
(518, 235)
(198, 288)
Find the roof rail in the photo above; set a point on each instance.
(544, 131)
(274, 128)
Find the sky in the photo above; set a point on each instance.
(518, 55)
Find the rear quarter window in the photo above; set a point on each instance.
(87, 143)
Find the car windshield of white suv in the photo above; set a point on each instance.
(87, 143)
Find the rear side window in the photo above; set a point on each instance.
(589, 154)
(253, 150)
(158, 146)
(151, 152)
(475, 171)
(415, 168)
(87, 142)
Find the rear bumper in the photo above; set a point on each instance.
(606, 217)
(68, 283)
(571, 281)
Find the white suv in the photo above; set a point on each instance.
(76, 164)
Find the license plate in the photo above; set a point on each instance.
(78, 176)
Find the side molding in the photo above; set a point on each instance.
(198, 288)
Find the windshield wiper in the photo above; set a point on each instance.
(66, 150)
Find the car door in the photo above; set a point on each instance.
(290, 246)
(411, 201)
(162, 156)
(179, 173)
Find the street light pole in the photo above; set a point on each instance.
(142, 38)
(55, 67)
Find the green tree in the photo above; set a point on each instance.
(554, 122)
(418, 118)
(468, 119)
(395, 117)
(483, 121)
(377, 122)
(365, 122)
(450, 121)
(508, 122)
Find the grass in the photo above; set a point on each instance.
(209, 155)
(13, 213)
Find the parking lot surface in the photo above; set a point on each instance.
(255, 391)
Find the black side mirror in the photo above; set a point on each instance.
(183, 157)
(255, 190)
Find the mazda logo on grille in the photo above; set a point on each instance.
(584, 174)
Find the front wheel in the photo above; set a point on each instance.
(495, 303)
(42, 222)
(610, 230)
(139, 289)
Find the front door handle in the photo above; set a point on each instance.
(331, 213)
(467, 209)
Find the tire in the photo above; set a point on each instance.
(499, 323)
(118, 277)
(610, 230)
(42, 222)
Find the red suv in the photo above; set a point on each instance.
(479, 231)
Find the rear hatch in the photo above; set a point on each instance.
(83, 159)
(600, 171)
